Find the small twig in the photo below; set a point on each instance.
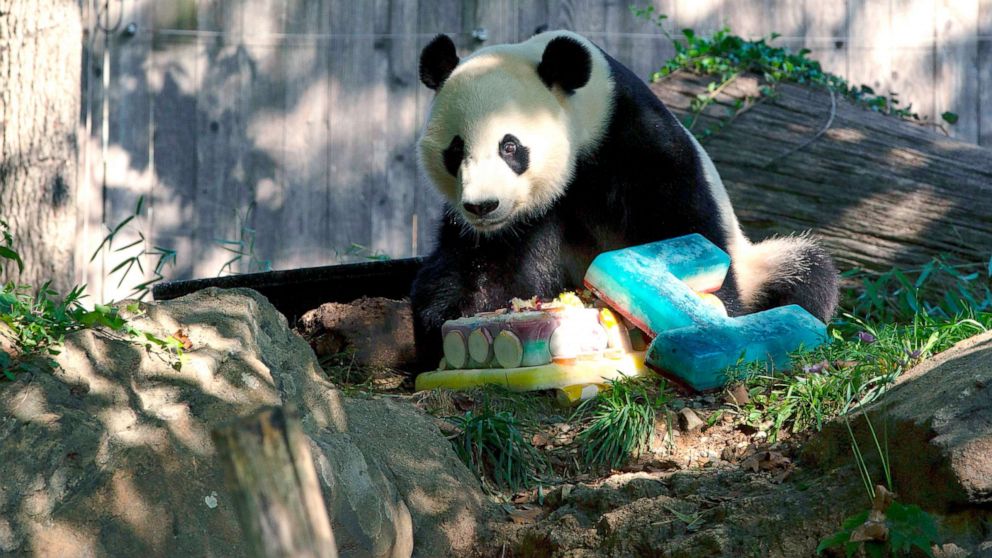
(748, 106)
(816, 136)
(710, 98)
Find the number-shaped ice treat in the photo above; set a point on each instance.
(655, 286)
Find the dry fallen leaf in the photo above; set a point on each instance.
(766, 461)
(774, 460)
(522, 497)
(181, 336)
(525, 514)
(540, 439)
(462, 402)
(870, 531)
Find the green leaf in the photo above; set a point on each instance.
(950, 117)
(10, 254)
(837, 539)
(875, 549)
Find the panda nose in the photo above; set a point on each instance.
(481, 209)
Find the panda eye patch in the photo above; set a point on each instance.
(454, 155)
(516, 156)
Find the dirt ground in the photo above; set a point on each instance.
(710, 484)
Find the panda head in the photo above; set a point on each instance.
(507, 124)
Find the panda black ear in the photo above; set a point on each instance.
(565, 62)
(437, 61)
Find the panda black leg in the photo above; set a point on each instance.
(434, 299)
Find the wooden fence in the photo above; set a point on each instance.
(306, 112)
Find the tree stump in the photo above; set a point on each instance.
(880, 191)
(269, 472)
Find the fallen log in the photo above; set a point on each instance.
(879, 190)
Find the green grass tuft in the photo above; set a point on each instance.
(492, 445)
(893, 321)
(623, 419)
(938, 289)
(860, 363)
(38, 320)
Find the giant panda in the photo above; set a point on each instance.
(549, 152)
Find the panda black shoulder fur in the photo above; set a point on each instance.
(549, 152)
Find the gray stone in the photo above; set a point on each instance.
(737, 395)
(689, 421)
(938, 420)
(110, 454)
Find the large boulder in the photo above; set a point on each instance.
(110, 453)
(937, 420)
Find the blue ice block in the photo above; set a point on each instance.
(653, 286)
(699, 355)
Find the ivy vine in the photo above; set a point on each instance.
(728, 57)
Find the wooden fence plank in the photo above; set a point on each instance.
(173, 79)
(304, 215)
(703, 17)
(587, 17)
(788, 18)
(128, 165)
(221, 188)
(89, 194)
(312, 111)
(985, 73)
(619, 24)
(957, 65)
(912, 55)
(827, 35)
(351, 164)
(869, 57)
(392, 223)
(651, 48)
(532, 14)
(748, 18)
(264, 96)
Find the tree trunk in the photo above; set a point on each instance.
(880, 191)
(40, 63)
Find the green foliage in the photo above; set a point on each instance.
(938, 289)
(728, 56)
(39, 320)
(894, 320)
(7, 251)
(243, 248)
(860, 362)
(492, 445)
(623, 419)
(144, 254)
(910, 526)
(361, 252)
(843, 537)
(907, 525)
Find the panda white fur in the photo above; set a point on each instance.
(549, 152)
